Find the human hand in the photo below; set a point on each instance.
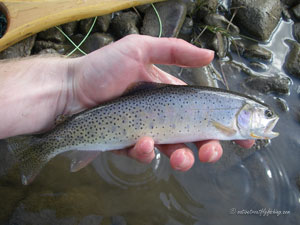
(106, 73)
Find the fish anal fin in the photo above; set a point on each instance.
(228, 131)
(80, 159)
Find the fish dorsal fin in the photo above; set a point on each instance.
(228, 131)
(60, 119)
(141, 86)
(80, 159)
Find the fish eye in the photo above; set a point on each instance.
(269, 113)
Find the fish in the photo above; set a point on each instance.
(168, 113)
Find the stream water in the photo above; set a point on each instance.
(246, 186)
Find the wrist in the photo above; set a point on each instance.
(33, 92)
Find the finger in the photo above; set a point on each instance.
(159, 76)
(245, 143)
(143, 151)
(175, 51)
(181, 157)
(209, 151)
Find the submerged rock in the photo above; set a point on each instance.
(202, 76)
(259, 67)
(172, 14)
(125, 24)
(21, 49)
(257, 52)
(186, 29)
(298, 182)
(52, 34)
(257, 17)
(296, 11)
(292, 61)
(277, 84)
(296, 31)
(96, 41)
(290, 2)
(282, 104)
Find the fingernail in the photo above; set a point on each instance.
(147, 148)
(214, 155)
(184, 163)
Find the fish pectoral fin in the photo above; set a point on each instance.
(229, 131)
(80, 159)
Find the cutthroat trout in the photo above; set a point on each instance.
(167, 113)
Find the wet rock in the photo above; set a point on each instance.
(70, 28)
(257, 17)
(103, 22)
(191, 6)
(60, 48)
(96, 41)
(251, 51)
(101, 25)
(143, 8)
(172, 14)
(125, 24)
(277, 84)
(52, 34)
(21, 49)
(296, 11)
(296, 31)
(206, 7)
(186, 29)
(259, 67)
(220, 45)
(85, 25)
(48, 51)
(292, 61)
(217, 20)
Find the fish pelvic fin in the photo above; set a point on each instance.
(80, 159)
(30, 155)
(228, 131)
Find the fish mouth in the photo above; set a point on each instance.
(269, 134)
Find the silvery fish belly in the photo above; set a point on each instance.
(167, 113)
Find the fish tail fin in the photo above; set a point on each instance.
(30, 155)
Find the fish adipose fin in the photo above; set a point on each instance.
(224, 129)
(80, 159)
(30, 155)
